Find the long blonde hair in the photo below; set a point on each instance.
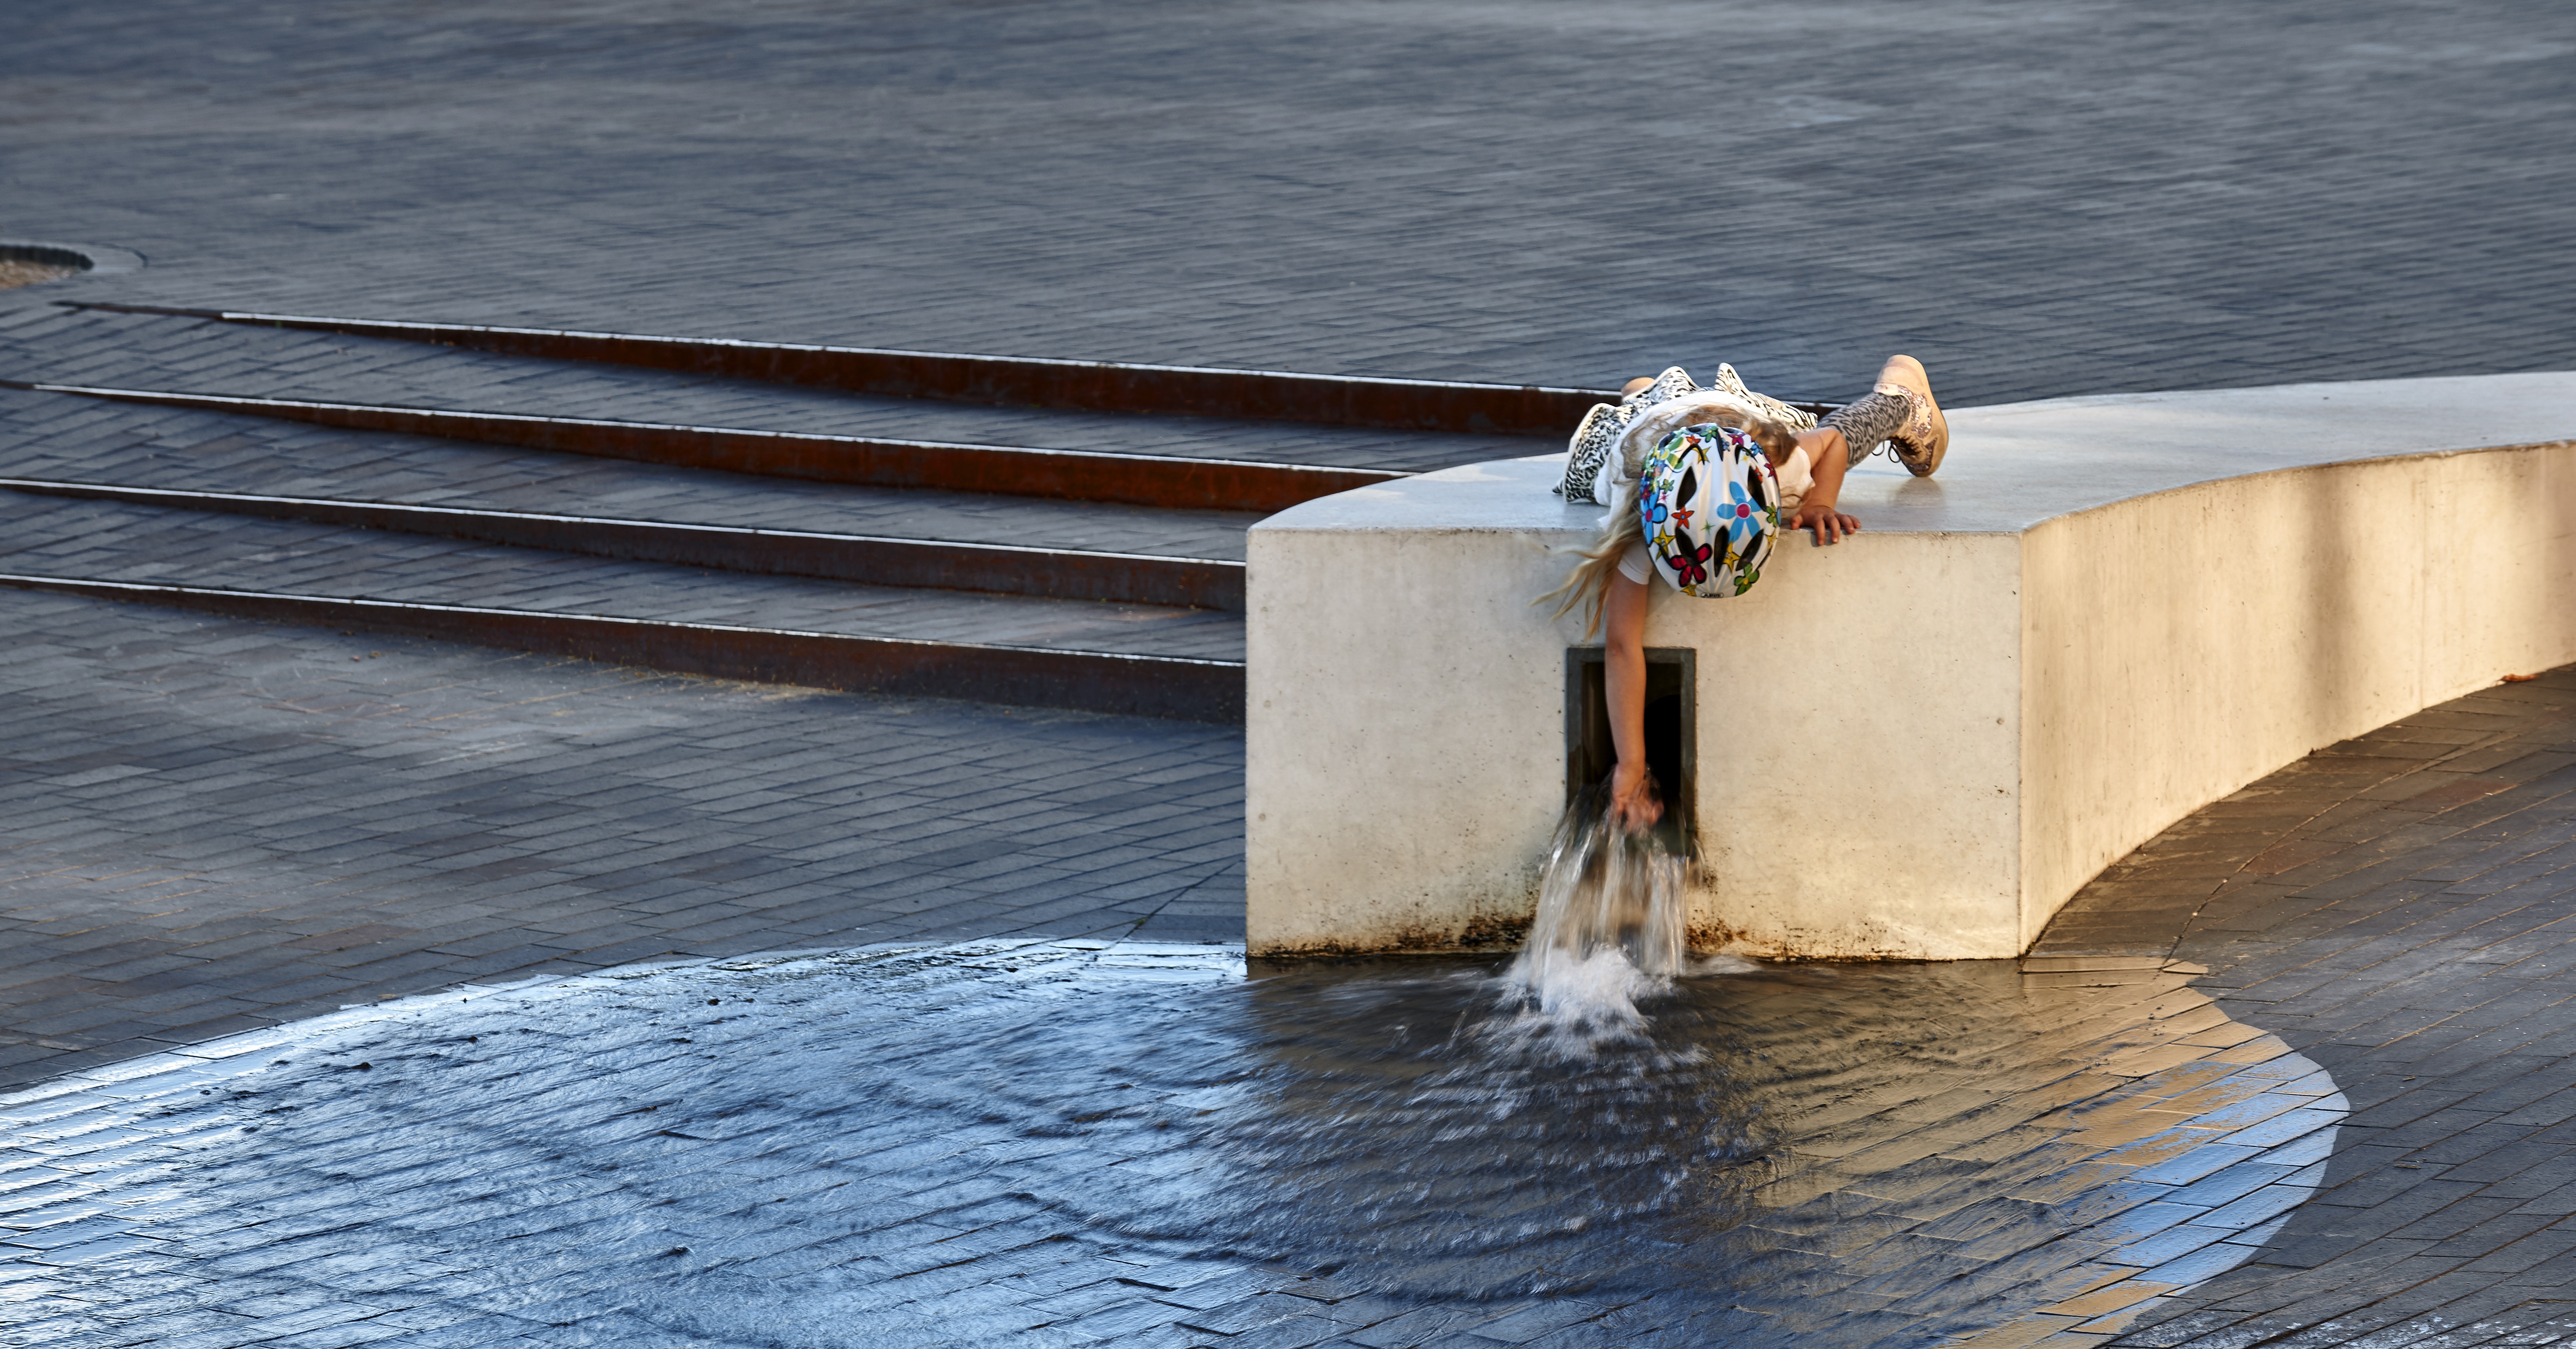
(1589, 583)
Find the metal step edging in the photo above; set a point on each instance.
(1069, 475)
(1002, 381)
(1092, 681)
(1066, 574)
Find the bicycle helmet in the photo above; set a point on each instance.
(1710, 506)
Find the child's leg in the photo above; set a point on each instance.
(1623, 680)
(1864, 423)
(1899, 410)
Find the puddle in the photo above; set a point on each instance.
(944, 1145)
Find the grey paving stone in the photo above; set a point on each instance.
(93, 540)
(2440, 1004)
(135, 351)
(2055, 198)
(2369, 904)
(258, 928)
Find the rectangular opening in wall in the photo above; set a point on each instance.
(1672, 731)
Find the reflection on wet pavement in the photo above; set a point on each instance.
(1066, 1143)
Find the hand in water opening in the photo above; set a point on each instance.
(1633, 802)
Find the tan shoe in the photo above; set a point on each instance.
(1925, 437)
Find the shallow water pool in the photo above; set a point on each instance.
(1064, 1143)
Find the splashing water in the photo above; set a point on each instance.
(1610, 922)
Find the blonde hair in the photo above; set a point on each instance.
(1589, 583)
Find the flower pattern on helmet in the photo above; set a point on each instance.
(1690, 566)
(1709, 504)
(1737, 512)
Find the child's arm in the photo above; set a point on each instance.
(1623, 671)
(1829, 459)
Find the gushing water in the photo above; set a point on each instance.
(1610, 921)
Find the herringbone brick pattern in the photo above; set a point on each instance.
(56, 345)
(214, 825)
(53, 437)
(110, 541)
(2037, 197)
(2395, 907)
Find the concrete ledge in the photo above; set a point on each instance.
(2105, 613)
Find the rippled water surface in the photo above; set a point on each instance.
(896, 1147)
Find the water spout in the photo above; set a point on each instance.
(1610, 920)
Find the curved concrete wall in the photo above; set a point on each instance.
(2180, 645)
(2102, 615)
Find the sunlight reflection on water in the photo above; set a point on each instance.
(1807, 1154)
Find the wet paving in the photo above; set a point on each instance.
(1073, 1142)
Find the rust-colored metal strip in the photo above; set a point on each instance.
(1095, 681)
(1066, 475)
(1071, 574)
(1005, 381)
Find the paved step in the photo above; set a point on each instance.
(843, 556)
(1065, 653)
(1124, 577)
(53, 437)
(121, 542)
(1002, 381)
(1064, 550)
(96, 348)
(1064, 475)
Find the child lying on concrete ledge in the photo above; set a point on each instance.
(1697, 482)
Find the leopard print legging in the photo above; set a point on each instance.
(1871, 421)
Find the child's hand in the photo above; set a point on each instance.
(1632, 799)
(1830, 525)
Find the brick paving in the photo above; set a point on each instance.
(213, 825)
(54, 437)
(57, 437)
(56, 345)
(218, 826)
(2396, 906)
(114, 541)
(1086, 1143)
(2037, 198)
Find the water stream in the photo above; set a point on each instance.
(1610, 922)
